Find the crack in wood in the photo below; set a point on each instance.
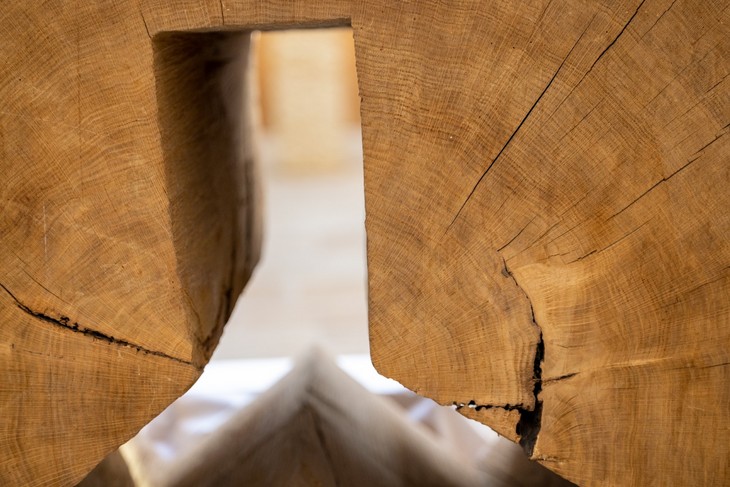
(499, 250)
(65, 323)
(146, 27)
(723, 364)
(580, 81)
(546, 458)
(530, 422)
(718, 83)
(570, 131)
(514, 133)
(695, 157)
(478, 407)
(658, 19)
(610, 45)
(661, 181)
(559, 378)
(697, 287)
(597, 251)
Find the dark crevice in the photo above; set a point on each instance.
(559, 378)
(478, 407)
(66, 323)
(528, 427)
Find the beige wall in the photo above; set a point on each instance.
(309, 98)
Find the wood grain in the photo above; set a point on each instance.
(547, 217)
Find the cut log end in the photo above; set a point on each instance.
(551, 175)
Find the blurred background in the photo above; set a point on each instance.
(310, 284)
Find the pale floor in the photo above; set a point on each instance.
(310, 284)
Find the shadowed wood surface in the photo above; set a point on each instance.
(547, 215)
(111, 472)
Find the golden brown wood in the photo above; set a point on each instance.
(546, 190)
(127, 227)
(548, 223)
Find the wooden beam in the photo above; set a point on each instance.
(547, 216)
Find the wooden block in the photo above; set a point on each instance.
(548, 226)
(547, 215)
(129, 226)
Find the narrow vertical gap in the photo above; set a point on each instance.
(309, 287)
